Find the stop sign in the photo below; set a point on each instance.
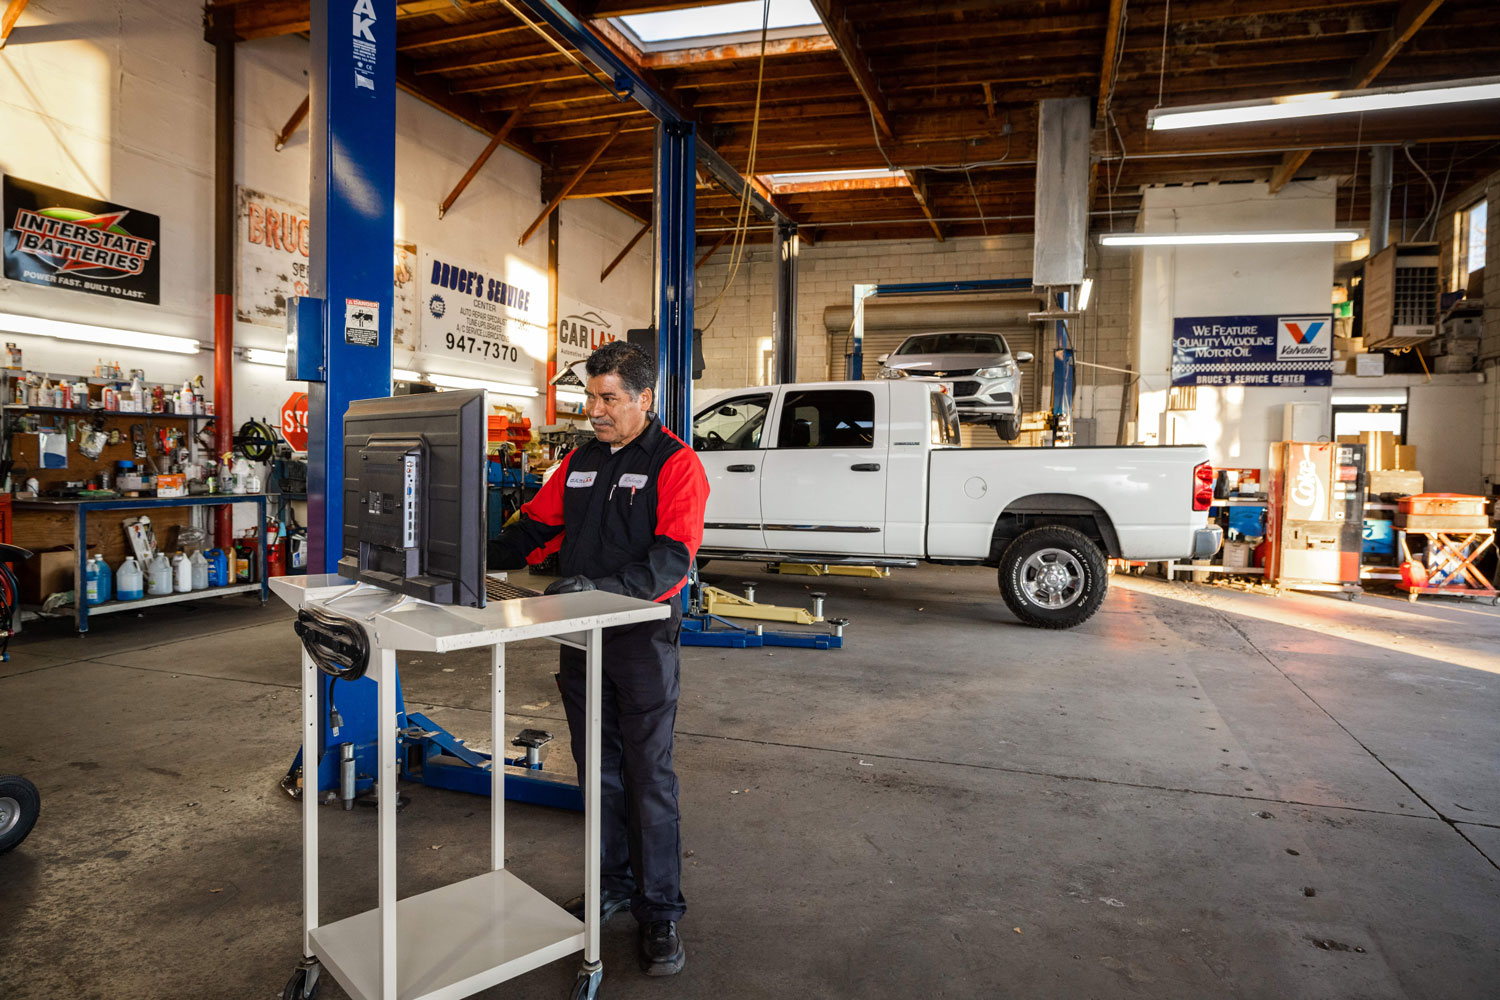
(294, 421)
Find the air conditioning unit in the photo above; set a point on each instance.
(1400, 300)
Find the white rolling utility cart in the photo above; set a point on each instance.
(467, 936)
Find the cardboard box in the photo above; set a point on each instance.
(171, 486)
(47, 573)
(1380, 449)
(1372, 364)
(1395, 481)
(1406, 457)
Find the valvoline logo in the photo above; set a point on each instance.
(1304, 338)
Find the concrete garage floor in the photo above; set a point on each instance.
(1200, 793)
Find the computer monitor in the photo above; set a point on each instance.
(414, 495)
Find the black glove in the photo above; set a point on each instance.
(570, 585)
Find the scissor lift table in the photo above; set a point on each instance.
(467, 936)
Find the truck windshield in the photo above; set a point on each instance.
(955, 343)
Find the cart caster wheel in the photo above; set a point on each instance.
(304, 983)
(1411, 598)
(1495, 602)
(1351, 597)
(586, 986)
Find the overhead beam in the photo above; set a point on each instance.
(1409, 19)
(691, 58)
(1107, 68)
(847, 41)
(620, 257)
(500, 135)
(8, 19)
(572, 182)
(919, 191)
(293, 123)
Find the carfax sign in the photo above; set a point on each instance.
(68, 240)
(1285, 351)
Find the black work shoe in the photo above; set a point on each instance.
(611, 901)
(662, 953)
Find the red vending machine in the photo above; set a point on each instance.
(1315, 524)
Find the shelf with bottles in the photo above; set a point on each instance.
(108, 392)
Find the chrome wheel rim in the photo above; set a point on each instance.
(1052, 578)
(10, 814)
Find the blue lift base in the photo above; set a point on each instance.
(699, 630)
(435, 757)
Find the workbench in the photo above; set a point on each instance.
(82, 508)
(465, 937)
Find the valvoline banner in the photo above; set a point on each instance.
(1280, 351)
(67, 240)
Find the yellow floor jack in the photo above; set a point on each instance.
(705, 623)
(823, 569)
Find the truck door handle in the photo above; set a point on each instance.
(739, 468)
(866, 467)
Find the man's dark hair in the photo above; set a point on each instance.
(636, 368)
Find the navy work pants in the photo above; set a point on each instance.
(642, 841)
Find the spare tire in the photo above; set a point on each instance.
(1053, 577)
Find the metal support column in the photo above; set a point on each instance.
(352, 126)
(784, 248)
(672, 222)
(1381, 158)
(1062, 376)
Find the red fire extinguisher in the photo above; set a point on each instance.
(275, 550)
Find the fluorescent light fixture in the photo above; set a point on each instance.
(504, 388)
(256, 356)
(1084, 292)
(1346, 102)
(1224, 239)
(571, 395)
(60, 330)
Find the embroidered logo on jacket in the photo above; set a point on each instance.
(581, 478)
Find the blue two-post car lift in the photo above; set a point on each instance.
(352, 105)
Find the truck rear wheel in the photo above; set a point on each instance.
(1053, 577)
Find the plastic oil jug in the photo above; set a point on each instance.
(182, 573)
(160, 577)
(218, 568)
(91, 582)
(129, 581)
(200, 570)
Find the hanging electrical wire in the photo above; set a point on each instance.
(565, 52)
(742, 217)
(1431, 216)
(1161, 80)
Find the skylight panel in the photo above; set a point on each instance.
(694, 24)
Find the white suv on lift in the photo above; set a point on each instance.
(985, 377)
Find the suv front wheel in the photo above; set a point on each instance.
(1053, 577)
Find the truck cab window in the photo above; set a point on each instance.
(827, 418)
(733, 425)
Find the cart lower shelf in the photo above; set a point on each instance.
(453, 941)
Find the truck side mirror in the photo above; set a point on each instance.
(1023, 356)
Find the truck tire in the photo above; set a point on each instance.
(1053, 577)
(1008, 428)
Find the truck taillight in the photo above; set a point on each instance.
(1203, 486)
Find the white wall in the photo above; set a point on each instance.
(117, 103)
(1237, 423)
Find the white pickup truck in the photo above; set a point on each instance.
(873, 473)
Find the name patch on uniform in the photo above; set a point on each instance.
(581, 478)
(633, 481)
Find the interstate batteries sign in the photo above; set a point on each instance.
(67, 240)
(1287, 351)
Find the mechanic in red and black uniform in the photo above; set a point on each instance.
(629, 509)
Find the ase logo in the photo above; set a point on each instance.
(437, 306)
(1304, 338)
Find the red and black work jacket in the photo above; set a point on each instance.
(631, 520)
